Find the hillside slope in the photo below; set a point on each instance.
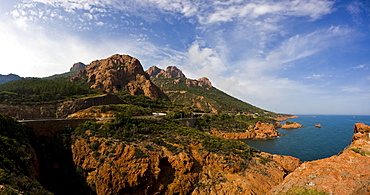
(9, 77)
(201, 94)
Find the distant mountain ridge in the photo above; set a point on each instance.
(9, 77)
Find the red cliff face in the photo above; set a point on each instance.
(120, 73)
(170, 72)
(202, 82)
(345, 173)
(162, 172)
(174, 72)
(259, 131)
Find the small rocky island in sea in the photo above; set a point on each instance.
(291, 125)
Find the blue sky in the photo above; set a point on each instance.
(289, 56)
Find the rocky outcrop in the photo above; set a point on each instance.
(291, 125)
(135, 169)
(170, 72)
(288, 163)
(345, 173)
(259, 131)
(70, 107)
(77, 66)
(202, 82)
(284, 118)
(120, 73)
(174, 72)
(318, 125)
(92, 112)
(153, 71)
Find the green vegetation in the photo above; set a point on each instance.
(146, 102)
(63, 75)
(289, 123)
(166, 132)
(17, 158)
(35, 90)
(303, 191)
(360, 151)
(210, 96)
(230, 123)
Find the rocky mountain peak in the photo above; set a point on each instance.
(120, 73)
(153, 71)
(174, 72)
(204, 82)
(78, 66)
(170, 72)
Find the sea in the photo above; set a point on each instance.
(309, 142)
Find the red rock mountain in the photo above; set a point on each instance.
(120, 73)
(170, 72)
(174, 72)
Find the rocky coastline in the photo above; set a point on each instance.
(259, 131)
(291, 125)
(345, 173)
(284, 118)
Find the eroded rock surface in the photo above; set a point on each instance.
(259, 131)
(135, 169)
(120, 73)
(292, 125)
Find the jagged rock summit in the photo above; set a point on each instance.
(170, 72)
(78, 66)
(120, 73)
(174, 72)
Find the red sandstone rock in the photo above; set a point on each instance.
(259, 131)
(120, 73)
(284, 118)
(288, 163)
(170, 72)
(197, 172)
(174, 72)
(346, 173)
(291, 126)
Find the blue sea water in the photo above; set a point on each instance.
(309, 142)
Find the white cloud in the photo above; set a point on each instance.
(361, 66)
(206, 12)
(318, 76)
(301, 46)
(351, 89)
(38, 52)
(203, 61)
(223, 12)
